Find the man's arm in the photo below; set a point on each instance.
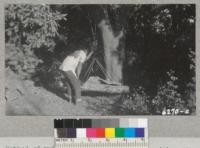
(89, 55)
(78, 69)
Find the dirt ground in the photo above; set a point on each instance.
(24, 98)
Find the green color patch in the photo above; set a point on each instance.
(119, 132)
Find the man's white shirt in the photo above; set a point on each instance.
(70, 63)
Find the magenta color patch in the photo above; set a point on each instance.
(91, 132)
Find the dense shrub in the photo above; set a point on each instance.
(28, 28)
(168, 98)
(135, 102)
(168, 95)
(190, 92)
(21, 60)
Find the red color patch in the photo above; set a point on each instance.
(100, 132)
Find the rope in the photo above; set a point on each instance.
(89, 70)
(101, 68)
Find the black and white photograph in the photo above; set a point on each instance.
(100, 59)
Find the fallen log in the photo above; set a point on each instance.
(96, 84)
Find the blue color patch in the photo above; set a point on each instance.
(129, 132)
(139, 132)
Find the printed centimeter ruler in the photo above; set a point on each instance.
(101, 133)
(101, 143)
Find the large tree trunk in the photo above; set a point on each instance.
(112, 55)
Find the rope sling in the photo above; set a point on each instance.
(101, 68)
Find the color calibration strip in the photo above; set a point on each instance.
(118, 133)
(100, 133)
(96, 123)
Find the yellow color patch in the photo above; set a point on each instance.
(110, 132)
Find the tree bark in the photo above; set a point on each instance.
(112, 55)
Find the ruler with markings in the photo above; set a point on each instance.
(101, 133)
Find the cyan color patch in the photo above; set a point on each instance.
(130, 132)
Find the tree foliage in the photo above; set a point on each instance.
(28, 28)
